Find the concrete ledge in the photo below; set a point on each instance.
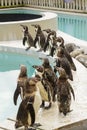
(80, 125)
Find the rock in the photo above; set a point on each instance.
(71, 47)
(82, 58)
(77, 52)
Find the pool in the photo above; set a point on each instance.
(11, 61)
(18, 15)
(74, 25)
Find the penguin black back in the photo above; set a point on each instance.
(25, 107)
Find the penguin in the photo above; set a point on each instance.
(50, 76)
(40, 37)
(50, 33)
(50, 42)
(64, 92)
(22, 77)
(56, 42)
(44, 87)
(27, 37)
(29, 106)
(68, 56)
(61, 61)
(71, 47)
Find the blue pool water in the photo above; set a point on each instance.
(11, 61)
(74, 25)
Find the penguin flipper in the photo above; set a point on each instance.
(31, 110)
(16, 94)
(24, 40)
(73, 67)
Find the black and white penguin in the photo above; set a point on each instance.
(64, 92)
(29, 107)
(43, 86)
(50, 76)
(20, 83)
(49, 40)
(56, 42)
(27, 37)
(69, 57)
(40, 36)
(62, 61)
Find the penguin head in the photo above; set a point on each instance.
(62, 73)
(38, 71)
(23, 71)
(60, 41)
(46, 63)
(38, 68)
(60, 52)
(47, 30)
(37, 27)
(30, 85)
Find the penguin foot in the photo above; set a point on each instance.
(48, 107)
(64, 113)
(67, 112)
(35, 46)
(60, 111)
(48, 55)
(18, 125)
(31, 128)
(27, 48)
(42, 105)
(36, 125)
(70, 110)
(39, 50)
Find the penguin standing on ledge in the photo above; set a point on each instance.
(63, 62)
(27, 37)
(20, 83)
(28, 109)
(64, 92)
(44, 87)
(40, 37)
(68, 56)
(50, 77)
(48, 44)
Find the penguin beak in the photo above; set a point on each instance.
(35, 66)
(41, 58)
(38, 68)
